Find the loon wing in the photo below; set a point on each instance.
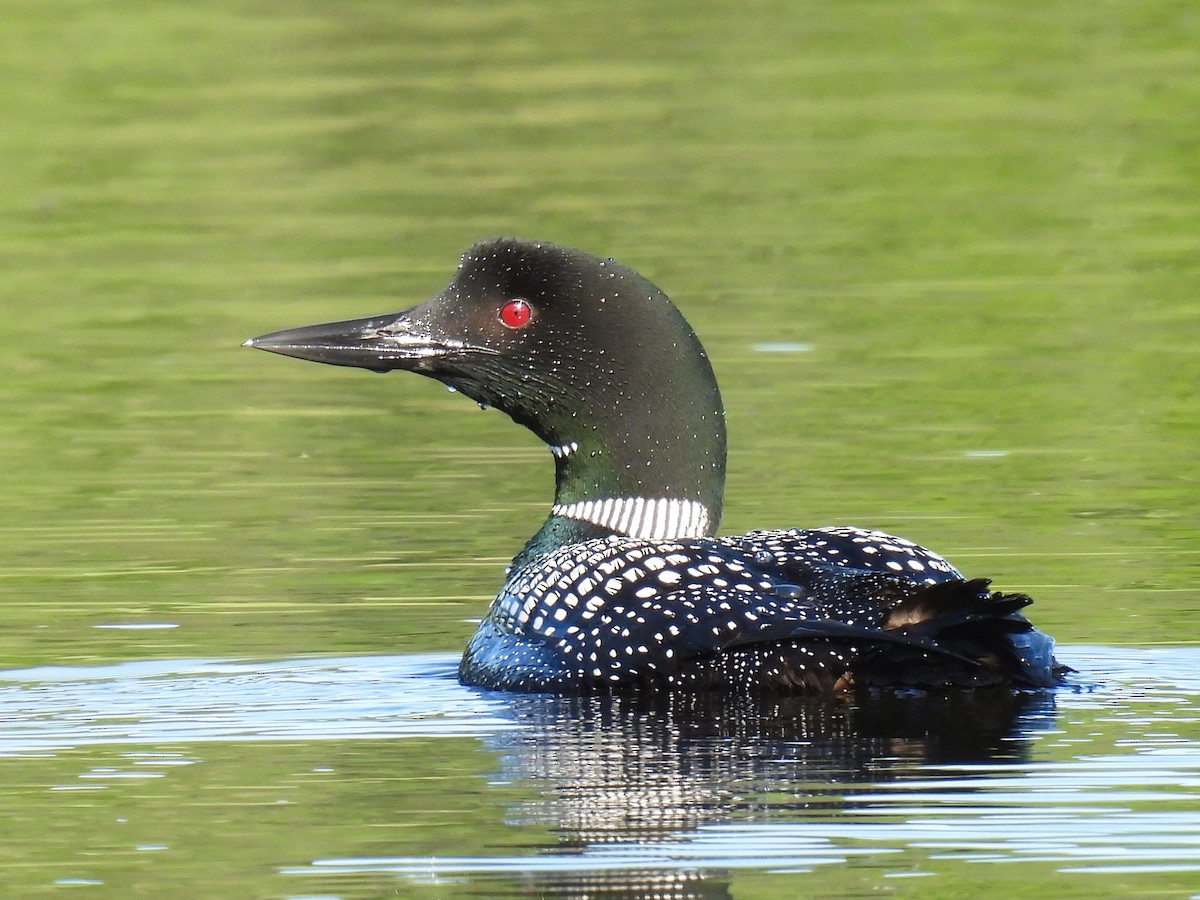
(854, 606)
(950, 632)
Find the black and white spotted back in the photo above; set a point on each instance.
(786, 609)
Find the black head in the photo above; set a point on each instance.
(584, 352)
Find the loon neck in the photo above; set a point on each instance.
(655, 474)
(652, 518)
(645, 518)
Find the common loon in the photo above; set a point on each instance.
(626, 585)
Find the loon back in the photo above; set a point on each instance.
(626, 585)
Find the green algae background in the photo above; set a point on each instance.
(981, 220)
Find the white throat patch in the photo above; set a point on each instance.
(640, 517)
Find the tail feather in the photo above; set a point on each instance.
(983, 630)
(952, 603)
(951, 634)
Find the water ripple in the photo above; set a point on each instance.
(155, 702)
(1099, 778)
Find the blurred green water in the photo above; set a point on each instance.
(984, 220)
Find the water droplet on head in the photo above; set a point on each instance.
(764, 557)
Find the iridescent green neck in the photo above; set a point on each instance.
(662, 477)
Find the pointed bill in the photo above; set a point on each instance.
(379, 343)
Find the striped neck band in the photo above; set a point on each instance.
(640, 517)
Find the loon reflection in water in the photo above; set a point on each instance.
(626, 585)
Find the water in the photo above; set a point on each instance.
(1087, 790)
(944, 259)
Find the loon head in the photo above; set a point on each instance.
(584, 352)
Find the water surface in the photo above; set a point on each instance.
(1089, 790)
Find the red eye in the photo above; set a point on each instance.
(516, 313)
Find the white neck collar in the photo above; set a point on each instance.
(640, 517)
